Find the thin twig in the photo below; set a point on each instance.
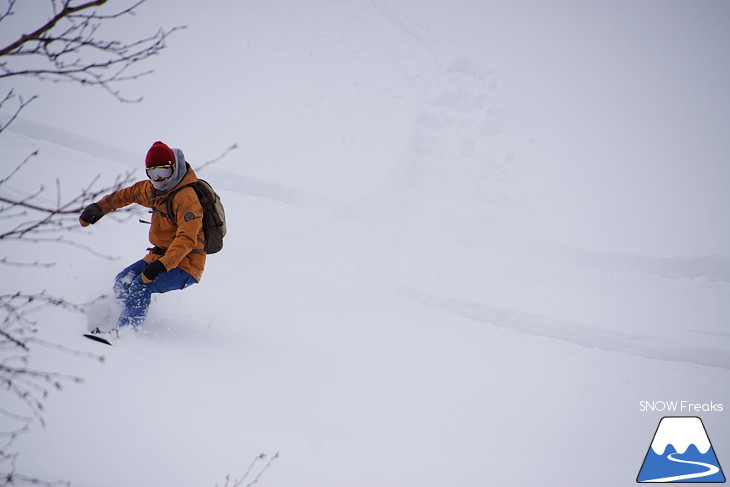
(233, 147)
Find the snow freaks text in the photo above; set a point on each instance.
(683, 407)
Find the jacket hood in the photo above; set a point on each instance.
(181, 168)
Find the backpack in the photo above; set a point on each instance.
(214, 218)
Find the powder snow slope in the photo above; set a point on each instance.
(436, 273)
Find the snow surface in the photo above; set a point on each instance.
(466, 239)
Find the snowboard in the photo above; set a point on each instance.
(97, 338)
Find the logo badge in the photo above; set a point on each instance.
(681, 452)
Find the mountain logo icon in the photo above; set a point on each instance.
(681, 452)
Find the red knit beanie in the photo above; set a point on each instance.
(159, 155)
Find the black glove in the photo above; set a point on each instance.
(152, 271)
(90, 215)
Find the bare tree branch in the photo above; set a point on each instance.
(8, 10)
(251, 468)
(61, 217)
(21, 105)
(67, 10)
(233, 147)
(18, 168)
(35, 264)
(29, 386)
(66, 48)
(65, 45)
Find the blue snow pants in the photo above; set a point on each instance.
(135, 295)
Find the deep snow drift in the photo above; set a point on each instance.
(435, 273)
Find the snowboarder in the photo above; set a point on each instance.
(177, 258)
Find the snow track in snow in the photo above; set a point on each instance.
(641, 345)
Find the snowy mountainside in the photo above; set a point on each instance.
(415, 289)
(338, 336)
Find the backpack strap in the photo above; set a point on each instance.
(160, 251)
(171, 214)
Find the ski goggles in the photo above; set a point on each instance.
(160, 173)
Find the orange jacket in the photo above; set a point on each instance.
(181, 240)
